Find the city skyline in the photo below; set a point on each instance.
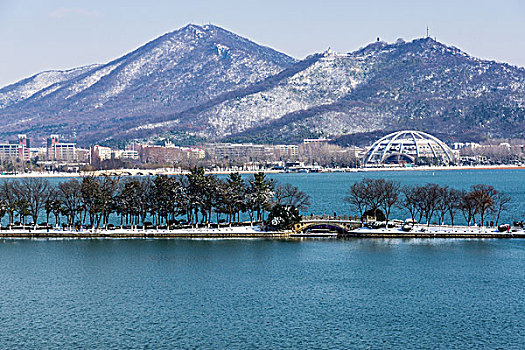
(62, 34)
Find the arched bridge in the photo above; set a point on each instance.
(341, 226)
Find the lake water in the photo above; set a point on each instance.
(245, 294)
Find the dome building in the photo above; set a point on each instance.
(408, 147)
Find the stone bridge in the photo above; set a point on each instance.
(341, 225)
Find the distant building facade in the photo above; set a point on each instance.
(237, 151)
(127, 154)
(16, 150)
(286, 151)
(251, 152)
(9, 151)
(169, 154)
(24, 150)
(60, 151)
(100, 152)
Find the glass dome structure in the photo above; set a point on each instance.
(408, 147)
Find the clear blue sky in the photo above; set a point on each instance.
(37, 35)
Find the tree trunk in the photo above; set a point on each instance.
(497, 217)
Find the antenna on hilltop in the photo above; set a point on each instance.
(427, 32)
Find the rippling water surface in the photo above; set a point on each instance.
(358, 293)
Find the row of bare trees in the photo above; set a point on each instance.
(161, 200)
(424, 203)
(23, 198)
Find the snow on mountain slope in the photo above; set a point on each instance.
(174, 72)
(206, 82)
(329, 79)
(26, 88)
(421, 84)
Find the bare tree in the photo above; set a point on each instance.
(289, 195)
(484, 196)
(51, 204)
(442, 206)
(35, 191)
(453, 203)
(389, 197)
(468, 207)
(372, 194)
(501, 202)
(90, 191)
(356, 198)
(9, 199)
(70, 198)
(428, 195)
(410, 201)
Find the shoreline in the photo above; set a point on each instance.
(425, 168)
(247, 232)
(224, 232)
(420, 231)
(152, 172)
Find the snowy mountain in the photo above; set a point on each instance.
(207, 83)
(174, 72)
(26, 88)
(421, 84)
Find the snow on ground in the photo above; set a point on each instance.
(139, 231)
(436, 230)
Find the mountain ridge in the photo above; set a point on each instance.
(368, 96)
(211, 84)
(158, 76)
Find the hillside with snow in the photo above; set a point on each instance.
(421, 84)
(26, 88)
(207, 83)
(172, 73)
